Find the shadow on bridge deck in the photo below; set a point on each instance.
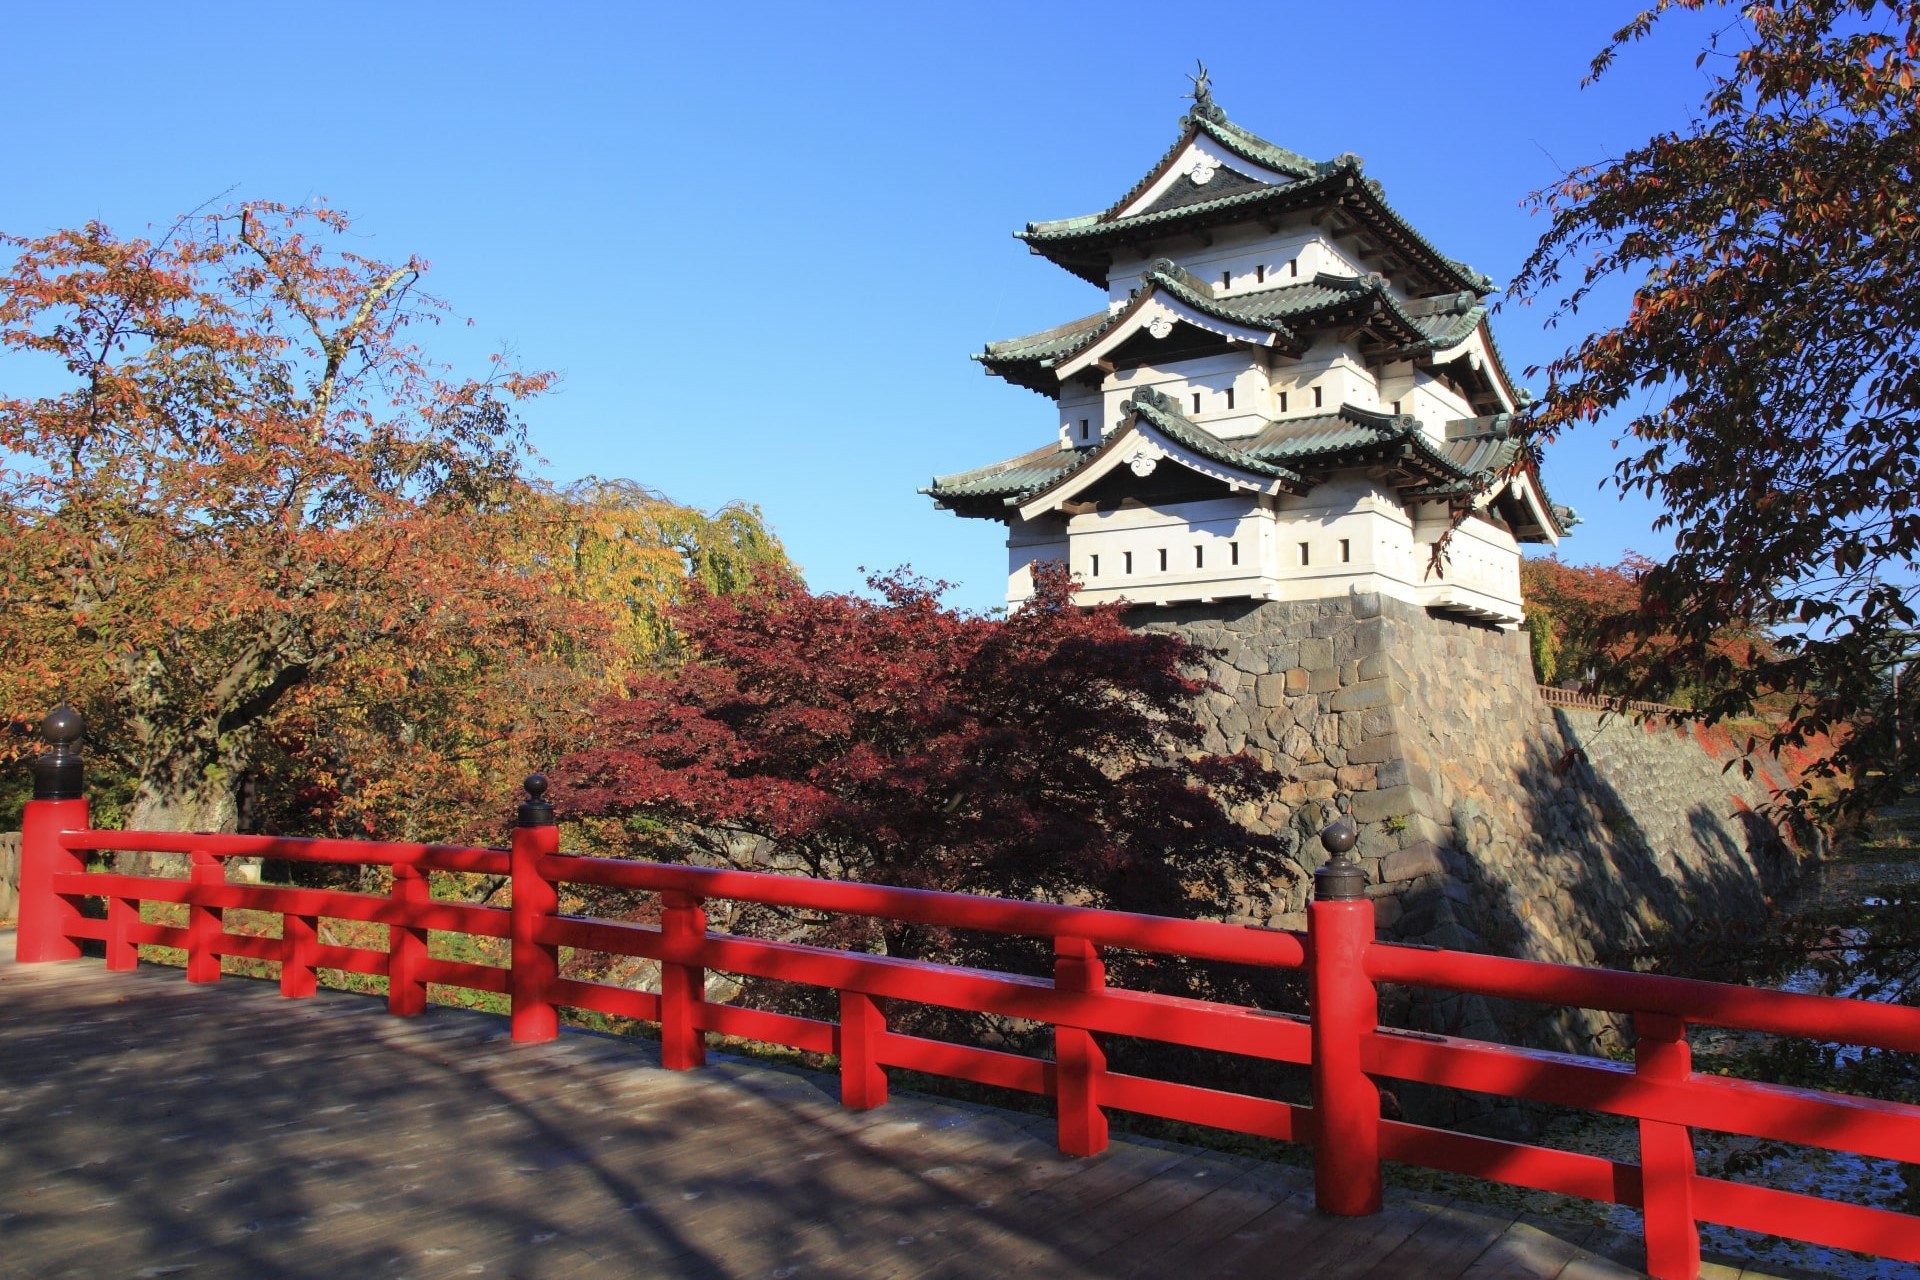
(149, 1128)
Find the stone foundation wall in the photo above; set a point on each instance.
(1488, 820)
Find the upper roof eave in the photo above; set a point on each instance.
(1076, 243)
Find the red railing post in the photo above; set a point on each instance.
(407, 943)
(1078, 1062)
(59, 804)
(1661, 1052)
(204, 923)
(863, 1081)
(122, 915)
(1345, 1009)
(535, 900)
(683, 986)
(299, 948)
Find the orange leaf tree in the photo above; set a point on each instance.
(431, 745)
(243, 481)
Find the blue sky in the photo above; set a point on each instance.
(760, 242)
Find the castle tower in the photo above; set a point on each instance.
(1288, 400)
(1289, 395)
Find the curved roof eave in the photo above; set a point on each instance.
(1168, 442)
(1492, 361)
(1183, 307)
(1338, 182)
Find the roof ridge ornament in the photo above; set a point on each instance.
(1149, 398)
(1204, 107)
(1168, 269)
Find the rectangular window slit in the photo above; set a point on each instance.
(1293, 268)
(1086, 429)
(1229, 397)
(1226, 279)
(1346, 551)
(1233, 553)
(1303, 553)
(1126, 562)
(1199, 557)
(1283, 402)
(1316, 397)
(1196, 402)
(1260, 274)
(1163, 559)
(1094, 572)
(1396, 406)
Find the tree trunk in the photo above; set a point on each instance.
(182, 794)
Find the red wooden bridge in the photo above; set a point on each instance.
(318, 1088)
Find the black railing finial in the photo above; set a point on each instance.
(1341, 879)
(536, 810)
(58, 774)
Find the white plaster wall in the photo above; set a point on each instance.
(1244, 371)
(1335, 368)
(1197, 540)
(1238, 261)
(1347, 535)
(1482, 569)
(1028, 543)
(1321, 254)
(1436, 404)
(1079, 405)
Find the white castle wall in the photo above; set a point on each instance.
(1348, 535)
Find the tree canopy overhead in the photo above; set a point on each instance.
(1767, 373)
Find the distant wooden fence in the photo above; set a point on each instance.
(1600, 702)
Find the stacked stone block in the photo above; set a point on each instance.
(1488, 820)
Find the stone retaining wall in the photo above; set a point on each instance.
(1488, 820)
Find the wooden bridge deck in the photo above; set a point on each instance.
(153, 1128)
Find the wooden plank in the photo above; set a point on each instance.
(1524, 1251)
(1445, 1244)
(1226, 1209)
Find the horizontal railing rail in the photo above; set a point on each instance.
(1346, 1050)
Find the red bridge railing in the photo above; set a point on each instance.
(1343, 1045)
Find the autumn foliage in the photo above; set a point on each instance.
(1588, 631)
(1766, 375)
(891, 740)
(245, 517)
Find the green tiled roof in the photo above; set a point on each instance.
(1027, 473)
(1213, 122)
(1165, 415)
(1485, 447)
(1288, 450)
(1077, 242)
(1048, 343)
(1288, 311)
(1250, 146)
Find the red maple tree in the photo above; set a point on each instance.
(892, 740)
